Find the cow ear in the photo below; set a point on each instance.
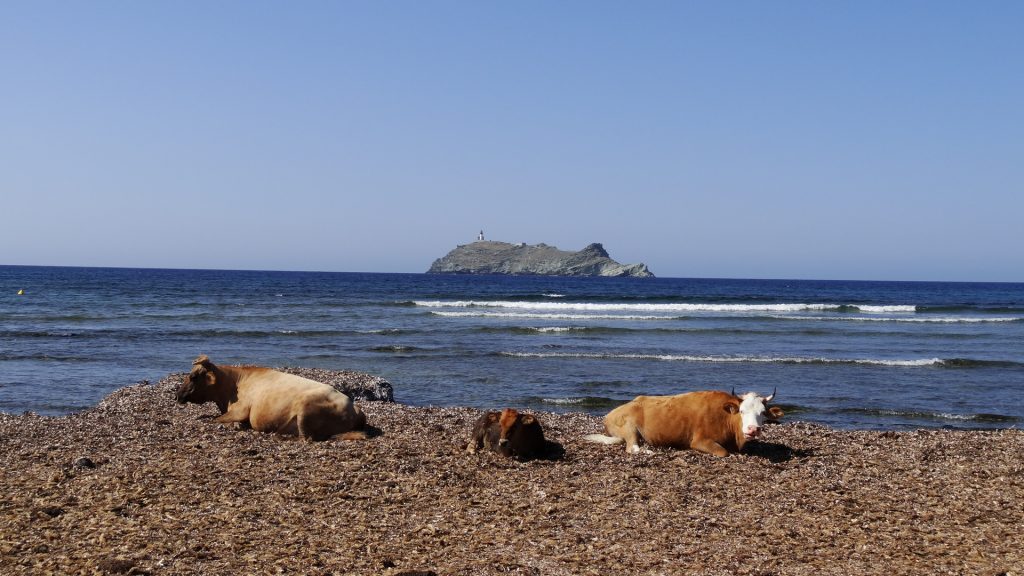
(731, 407)
(775, 412)
(492, 417)
(527, 419)
(211, 378)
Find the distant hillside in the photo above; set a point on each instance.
(489, 257)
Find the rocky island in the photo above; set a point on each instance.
(490, 257)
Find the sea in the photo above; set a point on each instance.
(847, 354)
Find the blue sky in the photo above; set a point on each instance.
(858, 140)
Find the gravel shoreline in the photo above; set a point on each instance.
(140, 485)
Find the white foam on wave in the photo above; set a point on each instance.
(548, 329)
(729, 359)
(938, 320)
(898, 309)
(663, 307)
(563, 401)
(547, 316)
(943, 415)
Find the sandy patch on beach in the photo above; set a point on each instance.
(140, 485)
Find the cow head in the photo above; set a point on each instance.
(509, 422)
(196, 387)
(754, 411)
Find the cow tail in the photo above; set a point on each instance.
(603, 439)
(353, 435)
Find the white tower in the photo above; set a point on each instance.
(480, 236)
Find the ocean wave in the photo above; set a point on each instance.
(522, 297)
(971, 308)
(974, 363)
(268, 333)
(44, 357)
(550, 316)
(661, 330)
(393, 349)
(577, 401)
(534, 330)
(872, 309)
(664, 307)
(312, 333)
(905, 363)
(44, 333)
(922, 320)
(567, 329)
(924, 415)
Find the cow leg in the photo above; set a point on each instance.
(475, 443)
(709, 447)
(630, 434)
(235, 413)
(623, 422)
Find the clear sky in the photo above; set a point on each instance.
(834, 140)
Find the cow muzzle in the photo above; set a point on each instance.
(184, 393)
(751, 433)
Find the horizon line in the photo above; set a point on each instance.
(655, 279)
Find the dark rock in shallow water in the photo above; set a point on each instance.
(488, 257)
(358, 385)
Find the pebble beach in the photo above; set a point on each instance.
(141, 485)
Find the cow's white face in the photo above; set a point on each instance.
(752, 414)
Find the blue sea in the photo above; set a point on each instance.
(852, 355)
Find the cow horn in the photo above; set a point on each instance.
(769, 398)
(733, 390)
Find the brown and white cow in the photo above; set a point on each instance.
(270, 401)
(713, 422)
(509, 433)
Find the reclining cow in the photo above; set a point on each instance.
(270, 401)
(713, 422)
(508, 433)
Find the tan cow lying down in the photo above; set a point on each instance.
(272, 401)
(712, 422)
(508, 433)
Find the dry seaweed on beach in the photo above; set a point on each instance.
(140, 485)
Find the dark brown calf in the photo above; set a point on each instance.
(508, 433)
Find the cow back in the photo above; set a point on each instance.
(678, 421)
(276, 399)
